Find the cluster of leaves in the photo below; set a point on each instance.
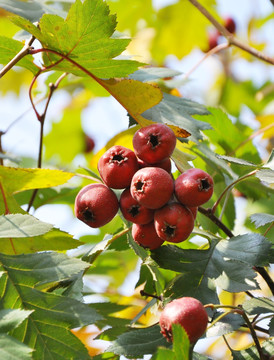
(44, 291)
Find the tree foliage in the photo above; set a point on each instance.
(61, 292)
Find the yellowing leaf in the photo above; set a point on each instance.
(17, 179)
(135, 96)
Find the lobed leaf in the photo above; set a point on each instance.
(47, 327)
(10, 319)
(137, 343)
(85, 36)
(261, 219)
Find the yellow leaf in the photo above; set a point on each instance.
(15, 180)
(267, 123)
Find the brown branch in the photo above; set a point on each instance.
(22, 53)
(208, 213)
(231, 38)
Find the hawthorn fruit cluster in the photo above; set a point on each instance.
(159, 207)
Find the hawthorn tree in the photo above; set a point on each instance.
(50, 279)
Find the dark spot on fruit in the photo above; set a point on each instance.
(118, 158)
(134, 210)
(205, 185)
(170, 231)
(88, 215)
(153, 139)
(139, 186)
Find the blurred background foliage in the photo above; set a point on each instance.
(82, 118)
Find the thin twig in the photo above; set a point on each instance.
(269, 227)
(41, 119)
(211, 52)
(213, 209)
(215, 220)
(231, 38)
(22, 53)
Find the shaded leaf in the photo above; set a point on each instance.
(10, 319)
(261, 219)
(9, 48)
(226, 325)
(236, 160)
(258, 306)
(178, 112)
(54, 314)
(153, 73)
(32, 10)
(137, 343)
(266, 176)
(22, 225)
(12, 349)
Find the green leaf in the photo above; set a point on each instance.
(226, 325)
(10, 319)
(12, 349)
(19, 225)
(9, 48)
(52, 240)
(163, 354)
(228, 263)
(236, 160)
(47, 328)
(261, 219)
(184, 19)
(18, 179)
(137, 343)
(266, 176)
(85, 37)
(180, 342)
(259, 306)
(173, 110)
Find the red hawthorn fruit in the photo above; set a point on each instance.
(146, 236)
(133, 211)
(165, 164)
(117, 167)
(173, 222)
(194, 187)
(152, 187)
(212, 40)
(230, 24)
(96, 205)
(189, 313)
(194, 210)
(89, 144)
(154, 143)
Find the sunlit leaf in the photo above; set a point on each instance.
(261, 219)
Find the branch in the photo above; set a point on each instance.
(22, 53)
(230, 38)
(41, 119)
(215, 220)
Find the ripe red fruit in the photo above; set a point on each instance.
(133, 211)
(194, 210)
(154, 143)
(230, 25)
(173, 222)
(212, 40)
(96, 205)
(164, 164)
(152, 187)
(89, 144)
(189, 313)
(117, 166)
(194, 187)
(146, 236)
